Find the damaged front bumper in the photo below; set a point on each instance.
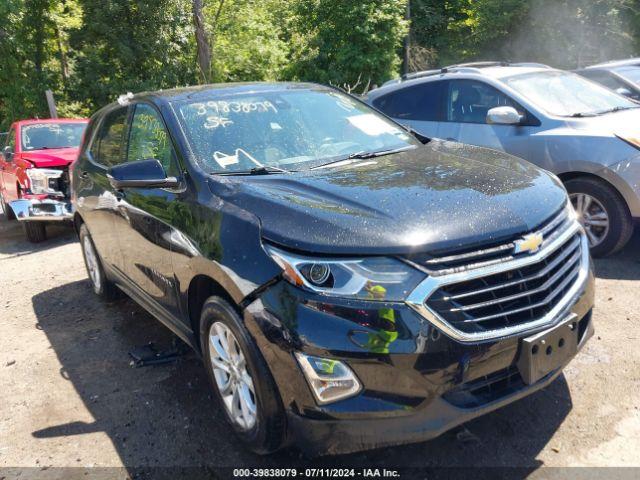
(48, 210)
(416, 387)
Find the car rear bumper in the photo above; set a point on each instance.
(49, 210)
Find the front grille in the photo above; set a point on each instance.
(511, 297)
(498, 292)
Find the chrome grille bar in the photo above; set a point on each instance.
(565, 238)
(546, 301)
(478, 255)
(556, 276)
(540, 274)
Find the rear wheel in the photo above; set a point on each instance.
(603, 214)
(244, 388)
(35, 232)
(101, 285)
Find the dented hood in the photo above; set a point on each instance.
(54, 157)
(438, 197)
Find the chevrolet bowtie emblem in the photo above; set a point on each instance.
(529, 243)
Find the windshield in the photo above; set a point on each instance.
(287, 129)
(567, 94)
(630, 73)
(38, 136)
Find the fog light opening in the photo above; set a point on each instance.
(330, 380)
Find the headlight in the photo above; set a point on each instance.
(40, 180)
(370, 278)
(633, 140)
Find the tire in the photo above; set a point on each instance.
(101, 285)
(6, 209)
(620, 223)
(267, 433)
(35, 232)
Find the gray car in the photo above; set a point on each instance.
(622, 76)
(586, 134)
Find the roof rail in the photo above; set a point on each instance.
(423, 73)
(529, 64)
(477, 64)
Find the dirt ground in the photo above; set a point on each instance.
(70, 398)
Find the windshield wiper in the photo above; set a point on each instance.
(601, 112)
(363, 154)
(260, 170)
(582, 115)
(615, 109)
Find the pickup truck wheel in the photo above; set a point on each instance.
(244, 388)
(35, 232)
(101, 285)
(6, 209)
(603, 213)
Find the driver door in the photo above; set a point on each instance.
(465, 118)
(148, 211)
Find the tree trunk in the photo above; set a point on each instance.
(202, 41)
(64, 64)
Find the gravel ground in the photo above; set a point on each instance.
(70, 398)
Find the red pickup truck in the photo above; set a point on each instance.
(34, 172)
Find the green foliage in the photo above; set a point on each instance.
(246, 40)
(90, 51)
(340, 42)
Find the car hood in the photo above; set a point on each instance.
(623, 122)
(436, 198)
(59, 157)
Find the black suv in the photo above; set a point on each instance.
(348, 285)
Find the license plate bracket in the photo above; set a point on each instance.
(546, 351)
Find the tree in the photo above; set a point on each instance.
(340, 42)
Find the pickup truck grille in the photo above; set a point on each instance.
(494, 292)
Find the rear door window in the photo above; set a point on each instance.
(107, 145)
(419, 102)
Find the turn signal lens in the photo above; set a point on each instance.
(330, 380)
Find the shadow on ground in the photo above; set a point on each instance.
(164, 415)
(624, 265)
(14, 242)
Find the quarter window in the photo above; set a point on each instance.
(469, 101)
(107, 146)
(421, 102)
(149, 139)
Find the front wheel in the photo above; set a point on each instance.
(6, 209)
(102, 286)
(35, 232)
(603, 214)
(244, 388)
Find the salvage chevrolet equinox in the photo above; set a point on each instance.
(349, 284)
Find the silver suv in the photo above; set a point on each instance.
(586, 134)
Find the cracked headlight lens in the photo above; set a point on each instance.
(40, 180)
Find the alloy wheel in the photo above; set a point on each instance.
(92, 262)
(232, 378)
(592, 216)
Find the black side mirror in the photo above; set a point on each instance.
(141, 174)
(7, 152)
